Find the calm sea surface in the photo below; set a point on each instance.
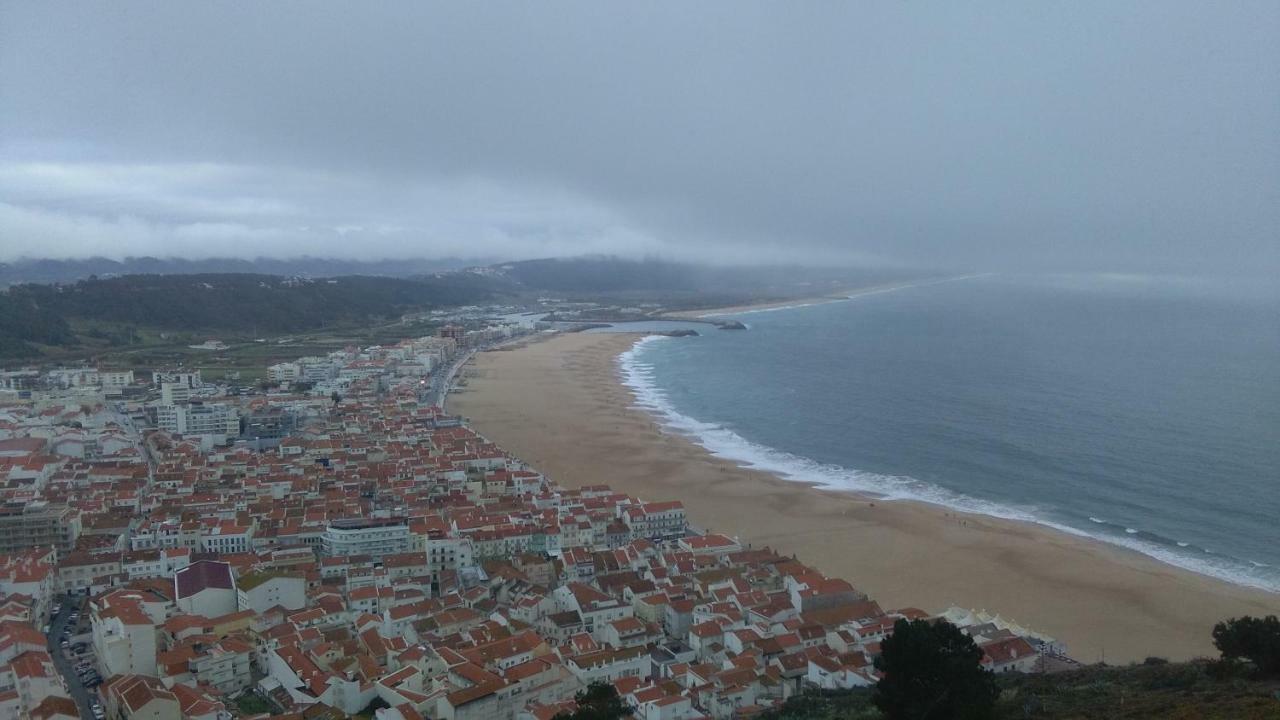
(1145, 413)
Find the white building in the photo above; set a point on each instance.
(366, 536)
(206, 588)
(261, 591)
(448, 553)
(173, 393)
(124, 639)
(217, 419)
(284, 372)
(190, 378)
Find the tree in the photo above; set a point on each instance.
(599, 701)
(1254, 639)
(335, 397)
(933, 671)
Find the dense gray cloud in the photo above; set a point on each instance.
(1135, 137)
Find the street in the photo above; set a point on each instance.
(66, 667)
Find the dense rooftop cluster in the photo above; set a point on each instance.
(381, 556)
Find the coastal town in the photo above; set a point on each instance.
(339, 545)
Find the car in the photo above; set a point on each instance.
(65, 643)
(57, 609)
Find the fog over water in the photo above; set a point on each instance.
(1085, 136)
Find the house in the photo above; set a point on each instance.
(260, 591)
(629, 632)
(56, 707)
(1013, 654)
(135, 697)
(206, 588)
(831, 673)
(124, 635)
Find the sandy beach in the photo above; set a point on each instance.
(559, 405)
(834, 296)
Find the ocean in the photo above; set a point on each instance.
(1139, 411)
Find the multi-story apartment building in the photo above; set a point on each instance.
(448, 553)
(198, 419)
(190, 378)
(284, 372)
(366, 536)
(225, 666)
(656, 520)
(172, 393)
(38, 524)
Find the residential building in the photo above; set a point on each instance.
(38, 524)
(366, 536)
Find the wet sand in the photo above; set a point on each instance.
(559, 405)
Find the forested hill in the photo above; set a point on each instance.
(111, 309)
(43, 314)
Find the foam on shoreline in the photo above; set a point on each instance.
(723, 442)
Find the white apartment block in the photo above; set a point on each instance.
(284, 372)
(198, 419)
(190, 378)
(173, 393)
(366, 536)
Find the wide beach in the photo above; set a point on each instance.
(559, 405)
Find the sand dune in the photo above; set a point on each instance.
(558, 404)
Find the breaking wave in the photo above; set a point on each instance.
(723, 442)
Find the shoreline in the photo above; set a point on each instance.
(561, 405)
(834, 297)
(727, 445)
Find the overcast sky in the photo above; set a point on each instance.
(1117, 136)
